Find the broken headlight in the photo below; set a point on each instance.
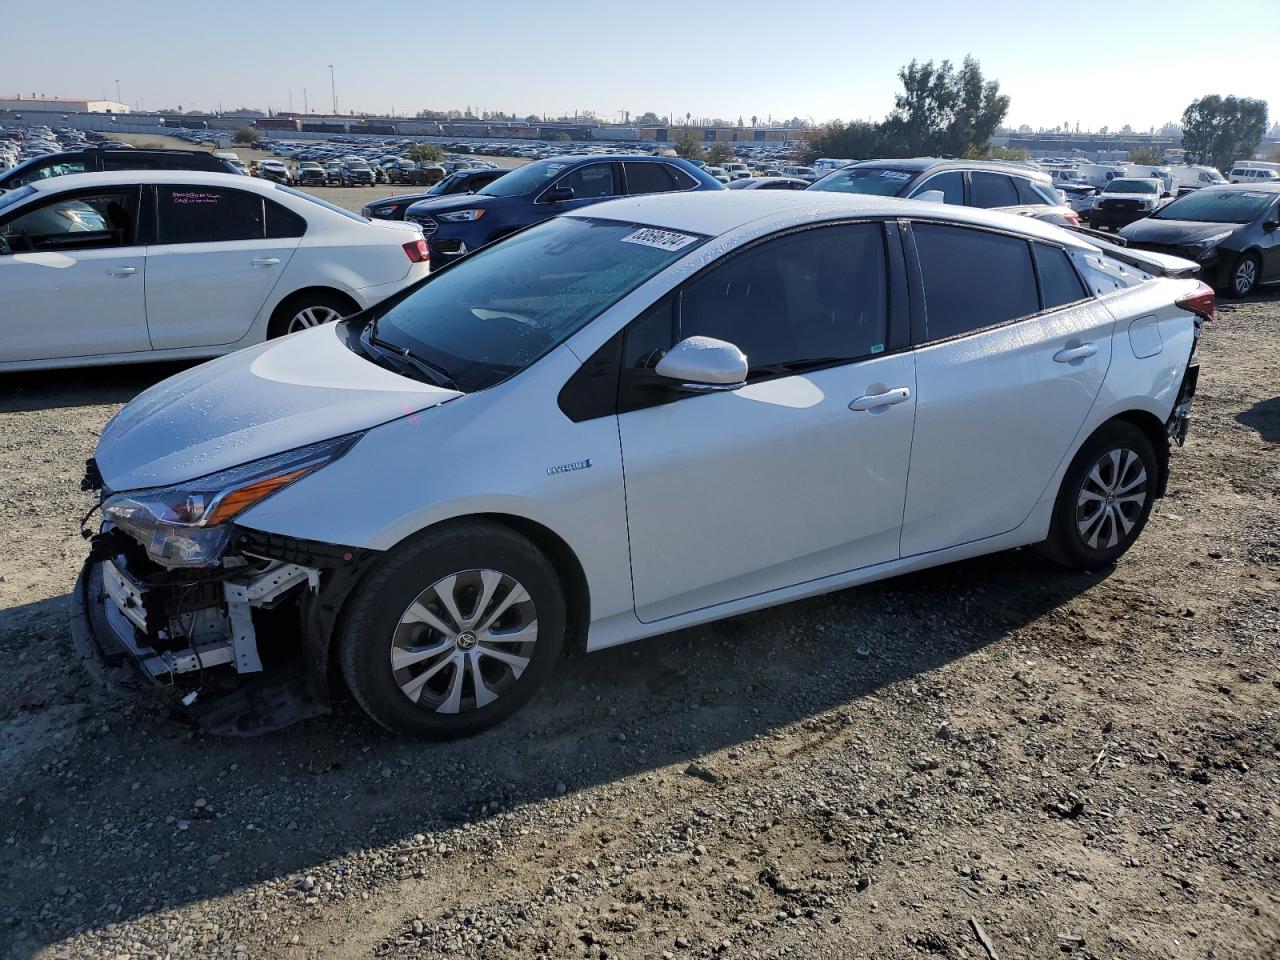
(188, 524)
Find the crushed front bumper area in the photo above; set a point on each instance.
(242, 649)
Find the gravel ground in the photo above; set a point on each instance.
(1054, 764)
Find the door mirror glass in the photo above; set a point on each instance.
(704, 364)
(559, 194)
(931, 196)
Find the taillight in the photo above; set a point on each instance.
(417, 251)
(1201, 303)
(1071, 217)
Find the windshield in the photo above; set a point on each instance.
(9, 197)
(324, 203)
(878, 181)
(1217, 206)
(523, 180)
(1131, 186)
(503, 307)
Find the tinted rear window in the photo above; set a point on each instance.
(973, 279)
(207, 214)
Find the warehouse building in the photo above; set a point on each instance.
(59, 105)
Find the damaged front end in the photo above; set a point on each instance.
(236, 623)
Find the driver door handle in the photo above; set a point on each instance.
(886, 399)
(121, 271)
(265, 261)
(1067, 354)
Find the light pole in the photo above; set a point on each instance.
(118, 100)
(333, 89)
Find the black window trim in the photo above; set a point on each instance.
(919, 313)
(899, 300)
(87, 192)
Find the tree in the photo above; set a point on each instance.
(1218, 130)
(944, 111)
(426, 153)
(689, 147)
(246, 135)
(858, 140)
(719, 154)
(648, 119)
(1146, 156)
(1000, 153)
(562, 137)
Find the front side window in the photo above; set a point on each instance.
(648, 178)
(591, 182)
(973, 278)
(950, 183)
(814, 297)
(504, 306)
(82, 222)
(207, 215)
(990, 190)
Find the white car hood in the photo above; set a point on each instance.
(251, 404)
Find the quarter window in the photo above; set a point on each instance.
(992, 190)
(208, 215)
(82, 222)
(973, 278)
(282, 222)
(1059, 282)
(814, 297)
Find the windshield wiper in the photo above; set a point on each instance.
(404, 358)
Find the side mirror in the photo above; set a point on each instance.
(704, 365)
(931, 196)
(1270, 225)
(1166, 195)
(559, 194)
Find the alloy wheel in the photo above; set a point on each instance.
(312, 317)
(1111, 498)
(463, 641)
(1245, 276)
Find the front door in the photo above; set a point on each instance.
(213, 264)
(71, 277)
(1007, 371)
(793, 477)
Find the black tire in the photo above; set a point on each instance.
(1098, 546)
(372, 619)
(318, 300)
(1244, 275)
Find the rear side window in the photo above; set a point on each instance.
(648, 178)
(282, 222)
(992, 190)
(973, 279)
(1059, 282)
(683, 180)
(207, 215)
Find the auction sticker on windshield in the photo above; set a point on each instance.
(662, 239)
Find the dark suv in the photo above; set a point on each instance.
(454, 226)
(462, 181)
(991, 185)
(96, 160)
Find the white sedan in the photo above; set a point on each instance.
(648, 414)
(139, 265)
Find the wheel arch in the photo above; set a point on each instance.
(1154, 431)
(288, 302)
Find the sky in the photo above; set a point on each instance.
(1092, 64)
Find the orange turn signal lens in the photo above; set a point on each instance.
(241, 499)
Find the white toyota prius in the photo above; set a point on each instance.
(655, 413)
(138, 265)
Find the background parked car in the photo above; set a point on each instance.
(275, 170)
(1186, 179)
(94, 160)
(1253, 175)
(968, 183)
(454, 226)
(463, 181)
(1232, 231)
(222, 261)
(355, 173)
(769, 183)
(311, 174)
(1125, 200)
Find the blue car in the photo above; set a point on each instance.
(454, 226)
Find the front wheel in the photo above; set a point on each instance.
(1105, 498)
(453, 632)
(1244, 275)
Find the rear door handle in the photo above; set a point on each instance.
(1067, 354)
(122, 271)
(886, 399)
(265, 261)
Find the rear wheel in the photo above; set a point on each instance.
(1243, 279)
(308, 309)
(454, 632)
(1105, 498)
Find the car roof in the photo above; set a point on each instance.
(718, 212)
(112, 178)
(1271, 187)
(920, 164)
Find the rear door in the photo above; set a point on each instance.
(71, 277)
(216, 256)
(1011, 353)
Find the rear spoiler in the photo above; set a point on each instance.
(1158, 264)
